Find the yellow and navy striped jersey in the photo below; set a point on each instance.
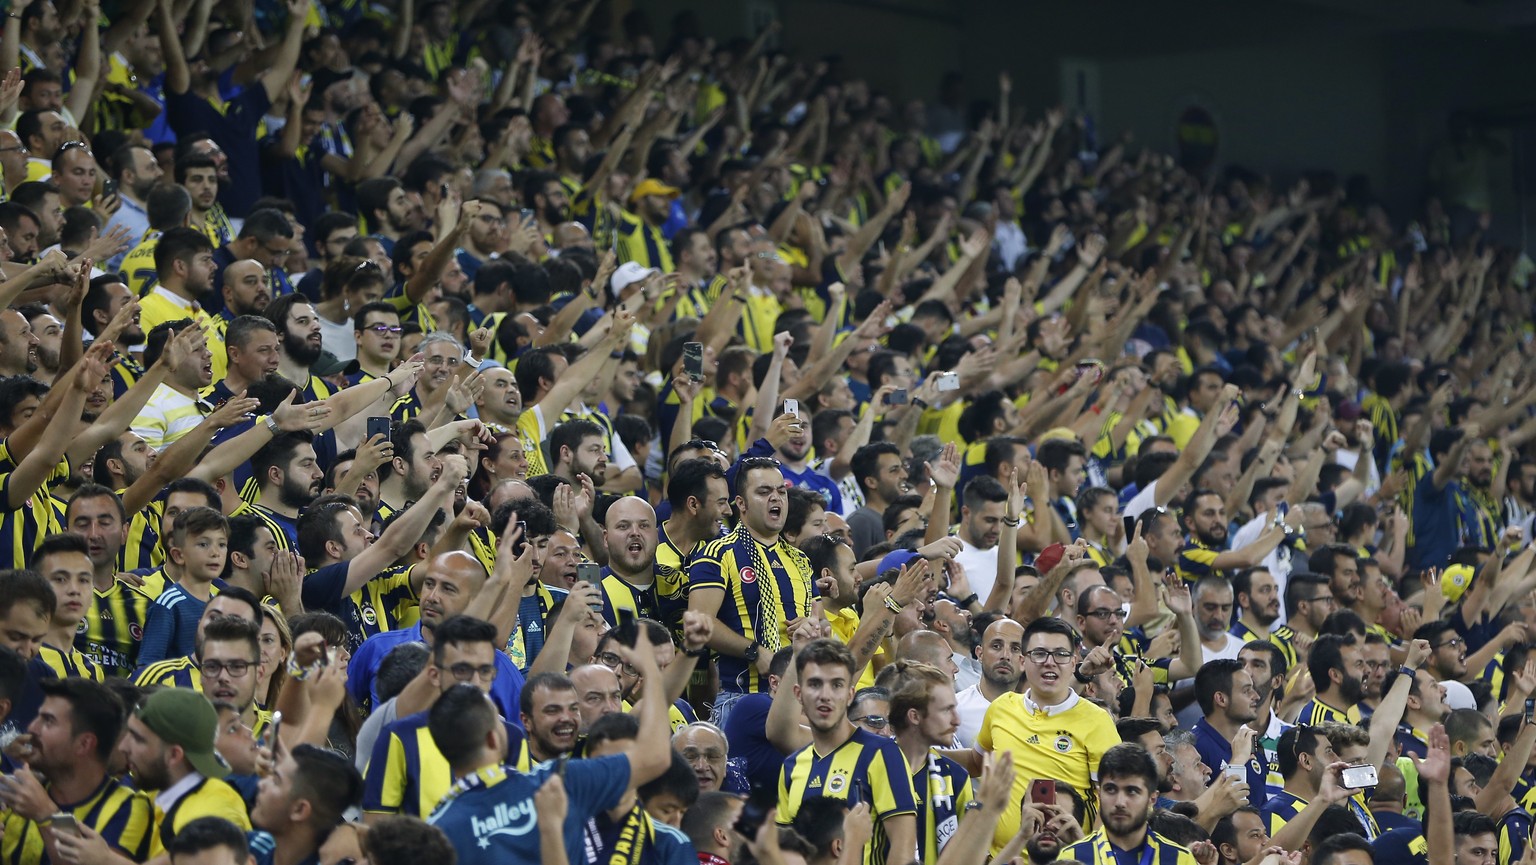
(1281, 809)
(941, 789)
(125, 372)
(764, 587)
(866, 768)
(70, 663)
(171, 673)
(1316, 712)
(210, 798)
(387, 602)
(1384, 424)
(1285, 638)
(531, 432)
(407, 774)
(22, 530)
(1196, 560)
(123, 817)
(644, 243)
(113, 628)
(1157, 850)
(143, 549)
(284, 531)
(406, 408)
(138, 265)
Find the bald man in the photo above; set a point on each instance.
(629, 532)
(598, 693)
(570, 235)
(703, 745)
(929, 647)
(451, 582)
(1002, 667)
(245, 289)
(500, 404)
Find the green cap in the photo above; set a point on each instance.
(187, 719)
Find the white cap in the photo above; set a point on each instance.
(1457, 695)
(629, 273)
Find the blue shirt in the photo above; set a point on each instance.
(815, 481)
(365, 663)
(170, 627)
(746, 733)
(490, 820)
(263, 849)
(234, 129)
(1216, 752)
(1436, 523)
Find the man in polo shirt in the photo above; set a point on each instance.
(169, 746)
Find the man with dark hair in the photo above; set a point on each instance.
(1127, 790)
(300, 803)
(299, 325)
(1257, 596)
(852, 763)
(73, 738)
(578, 447)
(464, 726)
(1051, 730)
(881, 476)
(1205, 553)
(407, 841)
(253, 350)
(209, 841)
(266, 237)
(184, 266)
(386, 210)
(175, 408)
(656, 807)
(136, 171)
(709, 825)
(1338, 672)
(288, 478)
(64, 561)
(1308, 602)
(407, 773)
(1449, 658)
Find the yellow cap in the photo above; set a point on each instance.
(1454, 581)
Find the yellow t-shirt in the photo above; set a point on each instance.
(844, 624)
(160, 306)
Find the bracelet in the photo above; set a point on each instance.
(966, 601)
(893, 605)
(271, 423)
(469, 359)
(1077, 673)
(919, 402)
(1407, 671)
(1012, 522)
(699, 653)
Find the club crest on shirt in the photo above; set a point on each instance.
(1063, 743)
(369, 616)
(836, 783)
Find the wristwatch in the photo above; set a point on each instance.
(751, 653)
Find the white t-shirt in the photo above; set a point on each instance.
(972, 706)
(1278, 562)
(1144, 500)
(338, 339)
(980, 568)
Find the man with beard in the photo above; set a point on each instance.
(169, 746)
(229, 668)
(1002, 665)
(1449, 660)
(72, 742)
(632, 582)
(300, 803)
(175, 408)
(362, 580)
(1127, 788)
(136, 171)
(1340, 564)
(546, 196)
(486, 239)
(452, 580)
(245, 289)
(299, 325)
(1213, 614)
(410, 471)
(1228, 699)
(1308, 602)
(18, 344)
(850, 762)
(794, 462)
(199, 177)
(105, 298)
(1205, 553)
(924, 717)
(1426, 708)
(48, 331)
(266, 237)
(700, 500)
(288, 478)
(407, 773)
(1338, 672)
(579, 447)
(1258, 597)
(754, 584)
(983, 516)
(184, 263)
(881, 476)
(252, 350)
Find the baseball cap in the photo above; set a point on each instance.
(1454, 581)
(896, 559)
(186, 718)
(651, 186)
(629, 273)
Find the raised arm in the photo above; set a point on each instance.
(287, 59)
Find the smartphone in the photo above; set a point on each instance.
(379, 426)
(1282, 510)
(560, 761)
(1237, 772)
(591, 572)
(277, 727)
(64, 822)
(1530, 711)
(949, 381)
(526, 215)
(759, 802)
(109, 187)
(522, 539)
(693, 360)
(792, 406)
(1359, 777)
(1042, 791)
(896, 397)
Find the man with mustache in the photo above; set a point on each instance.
(925, 717)
(407, 774)
(1258, 596)
(299, 325)
(1338, 671)
(1205, 552)
(228, 660)
(1127, 789)
(288, 477)
(704, 746)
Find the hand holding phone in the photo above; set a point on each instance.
(1042, 791)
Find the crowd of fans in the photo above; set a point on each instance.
(451, 431)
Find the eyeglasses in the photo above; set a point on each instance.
(20, 148)
(701, 444)
(235, 669)
(1040, 656)
(877, 722)
(1321, 599)
(465, 672)
(444, 361)
(382, 329)
(1105, 615)
(612, 661)
(1452, 643)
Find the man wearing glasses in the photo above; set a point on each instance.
(407, 774)
(1308, 601)
(1051, 730)
(227, 658)
(1449, 659)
